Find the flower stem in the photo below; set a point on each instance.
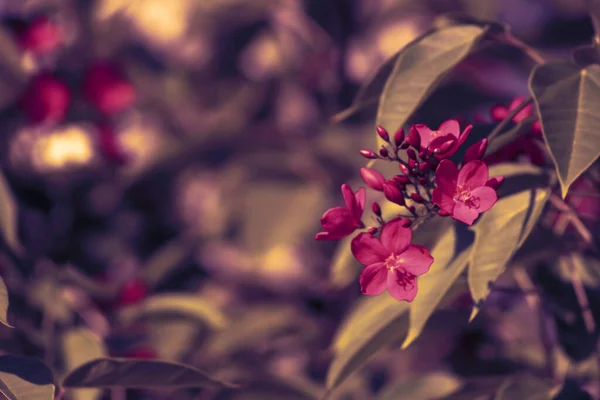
(508, 119)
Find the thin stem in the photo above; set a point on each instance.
(529, 51)
(582, 299)
(508, 119)
(583, 231)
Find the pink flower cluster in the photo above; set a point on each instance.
(428, 183)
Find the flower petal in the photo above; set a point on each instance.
(424, 133)
(473, 174)
(442, 200)
(349, 198)
(395, 237)
(401, 292)
(487, 198)
(360, 197)
(446, 176)
(465, 214)
(464, 135)
(450, 127)
(338, 221)
(325, 236)
(416, 260)
(373, 279)
(368, 249)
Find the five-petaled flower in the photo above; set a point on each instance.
(448, 130)
(464, 194)
(339, 222)
(391, 262)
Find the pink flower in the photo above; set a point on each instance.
(525, 146)
(391, 262)
(464, 194)
(500, 112)
(339, 222)
(448, 129)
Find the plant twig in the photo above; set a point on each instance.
(529, 51)
(583, 231)
(582, 299)
(508, 119)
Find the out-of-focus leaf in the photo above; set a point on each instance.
(475, 388)
(524, 387)
(176, 305)
(12, 76)
(520, 129)
(567, 99)
(588, 269)
(273, 388)
(4, 304)
(80, 346)
(433, 286)
(25, 378)
(421, 68)
(172, 338)
(45, 294)
(259, 324)
(8, 213)
(164, 260)
(498, 235)
(433, 386)
(375, 322)
(90, 286)
(139, 374)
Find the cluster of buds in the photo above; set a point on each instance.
(428, 183)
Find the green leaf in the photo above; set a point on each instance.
(434, 285)
(25, 378)
(524, 387)
(8, 216)
(375, 322)
(138, 374)
(270, 388)
(176, 305)
(421, 68)
(567, 98)
(432, 386)
(4, 301)
(172, 338)
(498, 235)
(80, 346)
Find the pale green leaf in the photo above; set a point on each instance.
(176, 305)
(81, 345)
(421, 68)
(432, 386)
(8, 216)
(25, 378)
(567, 99)
(138, 374)
(498, 235)
(4, 301)
(165, 259)
(524, 387)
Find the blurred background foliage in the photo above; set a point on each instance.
(165, 167)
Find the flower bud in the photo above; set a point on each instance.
(404, 169)
(369, 154)
(412, 209)
(372, 231)
(42, 36)
(443, 146)
(46, 100)
(107, 89)
(495, 182)
(423, 153)
(417, 198)
(383, 133)
(422, 180)
(376, 209)
(393, 194)
(424, 167)
(443, 213)
(399, 137)
(372, 178)
(412, 163)
(403, 179)
(414, 139)
(406, 222)
(383, 151)
(404, 145)
(475, 151)
(411, 154)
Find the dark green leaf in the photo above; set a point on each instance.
(421, 68)
(271, 388)
(567, 98)
(433, 386)
(140, 374)
(25, 378)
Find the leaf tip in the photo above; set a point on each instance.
(474, 313)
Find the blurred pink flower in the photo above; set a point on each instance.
(464, 194)
(339, 222)
(391, 262)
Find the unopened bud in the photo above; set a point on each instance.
(404, 169)
(376, 209)
(495, 183)
(411, 154)
(443, 213)
(412, 163)
(414, 139)
(417, 198)
(383, 151)
(393, 194)
(369, 154)
(399, 137)
(412, 209)
(424, 167)
(406, 222)
(405, 145)
(383, 133)
(372, 231)
(475, 151)
(422, 180)
(372, 178)
(402, 179)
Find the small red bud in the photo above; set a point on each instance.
(495, 183)
(376, 209)
(423, 154)
(402, 179)
(393, 194)
(46, 100)
(405, 145)
(383, 151)
(404, 169)
(372, 231)
(417, 198)
(424, 166)
(414, 139)
(383, 133)
(443, 213)
(412, 163)
(406, 222)
(372, 178)
(475, 151)
(369, 154)
(107, 89)
(422, 180)
(411, 209)
(399, 137)
(411, 154)
(42, 36)
(132, 292)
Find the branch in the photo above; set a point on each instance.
(583, 231)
